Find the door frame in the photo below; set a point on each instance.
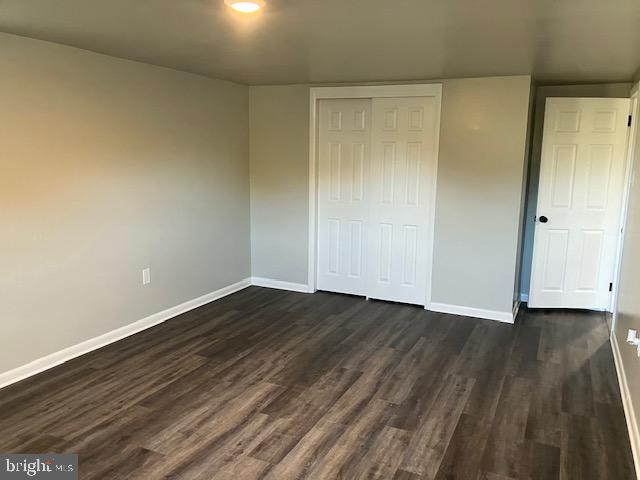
(365, 91)
(634, 111)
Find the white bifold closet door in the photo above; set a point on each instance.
(376, 184)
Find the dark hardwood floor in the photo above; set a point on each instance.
(280, 385)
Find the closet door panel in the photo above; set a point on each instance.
(343, 197)
(402, 182)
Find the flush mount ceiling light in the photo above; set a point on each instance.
(245, 6)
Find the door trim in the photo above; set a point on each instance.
(631, 153)
(364, 91)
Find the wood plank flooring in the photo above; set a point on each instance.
(267, 384)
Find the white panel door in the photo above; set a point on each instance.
(344, 145)
(403, 172)
(579, 201)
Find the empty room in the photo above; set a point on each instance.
(320, 239)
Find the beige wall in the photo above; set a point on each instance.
(612, 90)
(280, 182)
(482, 153)
(109, 166)
(480, 175)
(628, 308)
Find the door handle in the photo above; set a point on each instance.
(543, 219)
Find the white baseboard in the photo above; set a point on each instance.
(56, 358)
(629, 412)
(506, 317)
(280, 285)
(524, 297)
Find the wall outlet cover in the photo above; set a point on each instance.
(146, 276)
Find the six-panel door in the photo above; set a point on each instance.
(579, 196)
(402, 186)
(343, 197)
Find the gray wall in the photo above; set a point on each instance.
(479, 192)
(628, 308)
(109, 166)
(280, 182)
(481, 168)
(613, 90)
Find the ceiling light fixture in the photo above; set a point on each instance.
(245, 6)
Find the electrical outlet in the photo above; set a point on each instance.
(146, 276)
(634, 340)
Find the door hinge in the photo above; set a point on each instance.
(629, 121)
(611, 287)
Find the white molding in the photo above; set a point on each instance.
(366, 91)
(631, 153)
(524, 297)
(313, 186)
(506, 317)
(61, 356)
(280, 285)
(629, 412)
(379, 91)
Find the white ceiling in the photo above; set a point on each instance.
(299, 41)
